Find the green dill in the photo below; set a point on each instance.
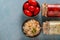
(34, 30)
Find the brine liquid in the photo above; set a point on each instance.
(51, 27)
(54, 27)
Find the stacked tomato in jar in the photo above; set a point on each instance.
(54, 10)
(51, 10)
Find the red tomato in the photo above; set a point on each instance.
(31, 8)
(58, 14)
(50, 14)
(26, 5)
(36, 10)
(32, 2)
(28, 13)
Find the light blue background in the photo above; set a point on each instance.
(12, 17)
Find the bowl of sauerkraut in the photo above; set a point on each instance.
(31, 27)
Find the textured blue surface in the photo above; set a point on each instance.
(12, 17)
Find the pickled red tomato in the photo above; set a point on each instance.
(26, 5)
(28, 13)
(32, 2)
(31, 8)
(53, 14)
(50, 14)
(57, 13)
(53, 9)
(37, 9)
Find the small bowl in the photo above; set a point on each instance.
(30, 11)
(25, 33)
